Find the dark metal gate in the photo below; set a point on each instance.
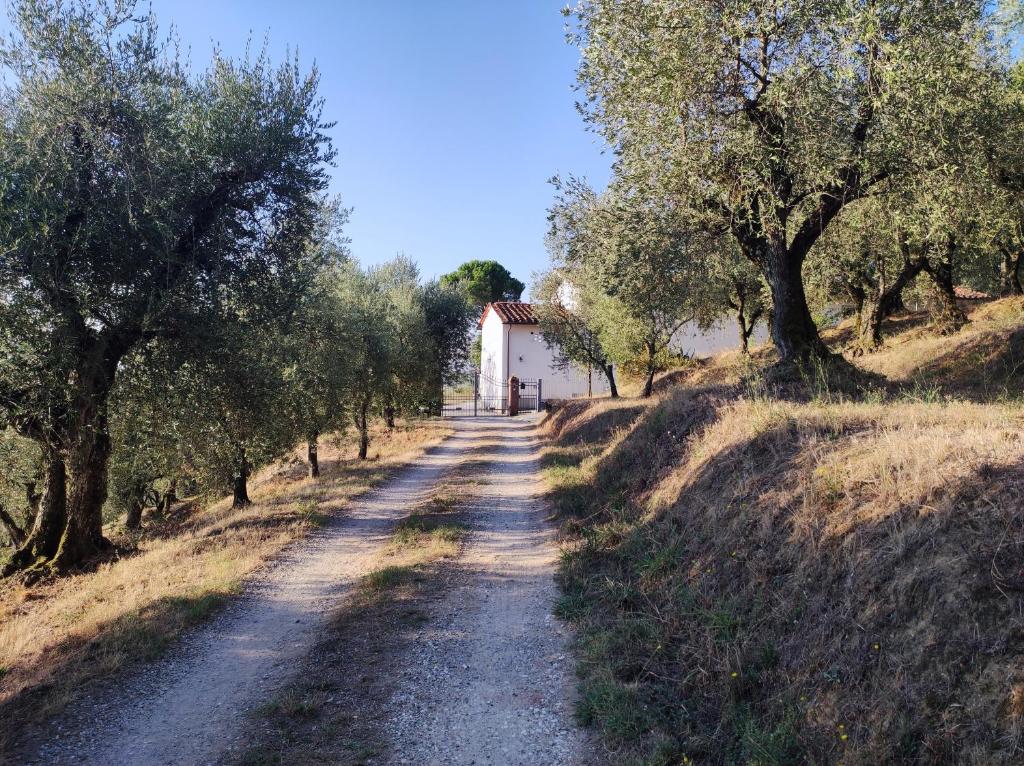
(480, 395)
(529, 395)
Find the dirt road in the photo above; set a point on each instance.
(489, 681)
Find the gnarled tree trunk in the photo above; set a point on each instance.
(885, 300)
(744, 324)
(609, 371)
(133, 517)
(15, 534)
(744, 333)
(1009, 272)
(651, 369)
(169, 497)
(88, 459)
(51, 518)
(949, 317)
(792, 328)
(361, 417)
(240, 494)
(312, 444)
(136, 503)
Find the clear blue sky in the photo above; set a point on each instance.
(451, 115)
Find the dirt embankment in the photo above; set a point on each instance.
(776, 582)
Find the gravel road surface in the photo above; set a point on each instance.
(488, 681)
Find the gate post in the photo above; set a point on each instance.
(540, 400)
(513, 395)
(476, 391)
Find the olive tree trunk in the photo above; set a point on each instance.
(651, 369)
(361, 417)
(51, 518)
(240, 493)
(1009, 272)
(609, 371)
(168, 498)
(312, 444)
(87, 492)
(133, 517)
(69, 526)
(15, 534)
(884, 301)
(792, 328)
(949, 317)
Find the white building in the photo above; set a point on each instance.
(723, 335)
(511, 344)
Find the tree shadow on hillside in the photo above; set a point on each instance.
(597, 428)
(982, 369)
(903, 625)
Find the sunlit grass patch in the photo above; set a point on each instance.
(386, 578)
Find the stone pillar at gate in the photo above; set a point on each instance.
(513, 395)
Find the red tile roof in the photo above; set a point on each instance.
(510, 312)
(969, 294)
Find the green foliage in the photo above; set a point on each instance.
(141, 203)
(449, 318)
(762, 122)
(484, 282)
(19, 477)
(177, 301)
(628, 273)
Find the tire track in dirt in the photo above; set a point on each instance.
(484, 679)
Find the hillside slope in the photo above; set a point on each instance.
(766, 581)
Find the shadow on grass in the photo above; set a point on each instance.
(738, 625)
(982, 369)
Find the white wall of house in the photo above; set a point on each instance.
(492, 355)
(520, 350)
(721, 336)
(531, 359)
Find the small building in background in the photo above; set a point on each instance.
(695, 341)
(511, 344)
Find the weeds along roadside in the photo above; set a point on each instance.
(758, 580)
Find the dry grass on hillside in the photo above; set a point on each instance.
(55, 636)
(982, 362)
(761, 581)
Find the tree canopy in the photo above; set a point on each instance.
(484, 282)
(765, 120)
(168, 248)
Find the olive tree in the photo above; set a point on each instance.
(135, 197)
(1005, 153)
(567, 305)
(317, 350)
(19, 486)
(646, 256)
(372, 344)
(766, 119)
